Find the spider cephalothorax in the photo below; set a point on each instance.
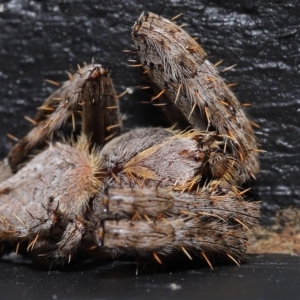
(150, 191)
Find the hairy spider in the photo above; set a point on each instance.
(150, 191)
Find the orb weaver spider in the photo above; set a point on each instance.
(147, 192)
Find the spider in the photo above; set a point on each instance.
(147, 192)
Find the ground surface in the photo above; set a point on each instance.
(264, 277)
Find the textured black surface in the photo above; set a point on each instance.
(263, 278)
(42, 39)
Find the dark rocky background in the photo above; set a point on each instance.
(42, 39)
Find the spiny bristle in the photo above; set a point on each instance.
(131, 51)
(254, 124)
(108, 128)
(240, 222)
(228, 68)
(207, 260)
(177, 93)
(53, 82)
(183, 25)
(212, 215)
(156, 257)
(218, 63)
(136, 66)
(144, 87)
(176, 17)
(123, 93)
(136, 216)
(160, 104)
(109, 137)
(232, 84)
(147, 218)
(71, 76)
(32, 243)
(17, 248)
(19, 220)
(12, 137)
(158, 95)
(186, 253)
(47, 108)
(246, 104)
(233, 259)
(192, 110)
(188, 185)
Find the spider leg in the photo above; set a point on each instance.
(90, 92)
(145, 221)
(101, 119)
(208, 201)
(178, 65)
(53, 113)
(172, 234)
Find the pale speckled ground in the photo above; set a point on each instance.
(281, 237)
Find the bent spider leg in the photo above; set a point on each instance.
(101, 119)
(90, 91)
(177, 64)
